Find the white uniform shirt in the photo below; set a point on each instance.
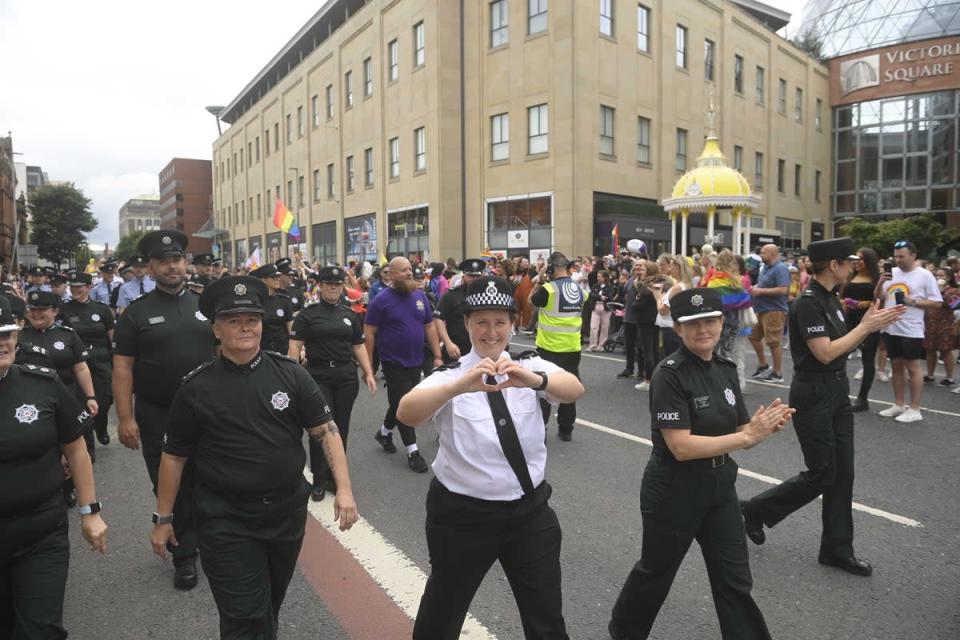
(918, 284)
(471, 461)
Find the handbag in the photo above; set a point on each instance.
(748, 317)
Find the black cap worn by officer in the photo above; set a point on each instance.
(108, 267)
(277, 313)
(164, 243)
(43, 300)
(472, 267)
(137, 261)
(235, 294)
(694, 304)
(197, 281)
(266, 271)
(203, 259)
(450, 309)
(331, 275)
(79, 279)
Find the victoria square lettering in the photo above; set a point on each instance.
(918, 61)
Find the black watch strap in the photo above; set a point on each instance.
(159, 519)
(543, 384)
(89, 509)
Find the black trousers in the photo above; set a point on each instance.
(152, 419)
(249, 552)
(340, 387)
(33, 575)
(648, 344)
(400, 380)
(868, 355)
(671, 341)
(632, 347)
(566, 412)
(101, 370)
(465, 536)
(824, 426)
(680, 502)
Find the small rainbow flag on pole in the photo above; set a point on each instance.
(285, 221)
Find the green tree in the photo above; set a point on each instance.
(61, 216)
(922, 230)
(128, 245)
(811, 43)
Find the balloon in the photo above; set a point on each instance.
(636, 246)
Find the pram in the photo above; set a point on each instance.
(616, 327)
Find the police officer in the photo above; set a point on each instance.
(18, 307)
(453, 332)
(290, 284)
(203, 263)
(241, 419)
(160, 338)
(37, 280)
(218, 270)
(488, 501)
(420, 277)
(141, 283)
(58, 285)
(40, 420)
(103, 290)
(333, 337)
(698, 417)
(819, 345)
(93, 323)
(277, 311)
(560, 301)
(126, 275)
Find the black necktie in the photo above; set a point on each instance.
(509, 440)
(141, 286)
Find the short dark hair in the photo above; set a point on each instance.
(817, 268)
(905, 244)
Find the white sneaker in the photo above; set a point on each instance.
(955, 390)
(910, 415)
(883, 376)
(893, 411)
(643, 386)
(859, 375)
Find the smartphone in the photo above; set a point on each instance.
(898, 296)
(888, 267)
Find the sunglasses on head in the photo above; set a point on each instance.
(900, 244)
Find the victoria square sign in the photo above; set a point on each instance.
(917, 67)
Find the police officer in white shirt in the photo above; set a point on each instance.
(488, 501)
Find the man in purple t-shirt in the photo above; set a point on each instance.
(398, 321)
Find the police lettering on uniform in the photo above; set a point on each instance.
(160, 338)
(331, 334)
(40, 420)
(453, 332)
(240, 419)
(819, 345)
(698, 417)
(93, 323)
(277, 311)
(488, 501)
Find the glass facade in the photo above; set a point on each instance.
(408, 233)
(520, 225)
(847, 26)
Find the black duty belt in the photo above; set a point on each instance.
(260, 497)
(701, 463)
(815, 376)
(332, 364)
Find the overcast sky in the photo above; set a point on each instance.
(105, 93)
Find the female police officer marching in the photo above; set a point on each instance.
(488, 501)
(277, 311)
(241, 418)
(40, 419)
(698, 417)
(333, 336)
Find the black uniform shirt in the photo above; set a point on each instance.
(295, 293)
(243, 424)
(277, 312)
(91, 320)
(37, 415)
(451, 312)
(58, 347)
(816, 313)
(168, 336)
(687, 392)
(329, 333)
(17, 306)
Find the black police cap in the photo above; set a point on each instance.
(7, 322)
(79, 278)
(284, 265)
(125, 269)
(49, 271)
(418, 273)
(489, 293)
(266, 271)
(235, 294)
(108, 267)
(198, 280)
(163, 243)
(694, 304)
(472, 267)
(43, 300)
(827, 250)
(59, 278)
(203, 259)
(36, 271)
(137, 261)
(332, 275)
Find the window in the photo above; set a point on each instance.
(315, 111)
(681, 46)
(408, 233)
(818, 115)
(738, 74)
(289, 124)
(329, 102)
(276, 136)
(797, 170)
(316, 184)
(816, 185)
(234, 163)
(606, 17)
(325, 242)
(798, 106)
(419, 55)
(348, 89)
(256, 150)
(681, 160)
(708, 52)
(393, 60)
(782, 96)
(299, 122)
(500, 137)
(289, 192)
(269, 204)
(536, 16)
(761, 90)
(300, 192)
(781, 169)
(643, 28)
(499, 34)
(350, 174)
(738, 158)
(266, 145)
(419, 149)
(643, 140)
(259, 206)
(241, 158)
(368, 167)
(331, 176)
(531, 215)
(367, 78)
(249, 154)
(394, 157)
(606, 130)
(791, 234)
(538, 128)
(758, 171)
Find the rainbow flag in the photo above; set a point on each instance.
(284, 220)
(732, 293)
(615, 237)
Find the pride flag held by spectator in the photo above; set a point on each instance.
(732, 293)
(284, 220)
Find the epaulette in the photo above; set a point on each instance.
(807, 293)
(280, 356)
(673, 361)
(525, 355)
(63, 326)
(724, 361)
(282, 293)
(43, 372)
(194, 373)
(447, 367)
(136, 300)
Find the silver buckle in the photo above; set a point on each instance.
(717, 461)
(267, 499)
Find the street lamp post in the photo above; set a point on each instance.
(215, 111)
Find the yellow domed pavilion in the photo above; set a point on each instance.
(709, 187)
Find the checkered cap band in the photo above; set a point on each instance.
(491, 299)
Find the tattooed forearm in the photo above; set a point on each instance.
(317, 434)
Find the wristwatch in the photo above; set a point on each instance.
(88, 509)
(159, 519)
(543, 384)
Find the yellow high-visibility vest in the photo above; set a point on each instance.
(560, 321)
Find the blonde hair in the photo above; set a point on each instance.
(727, 262)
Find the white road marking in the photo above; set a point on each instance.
(880, 513)
(389, 567)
